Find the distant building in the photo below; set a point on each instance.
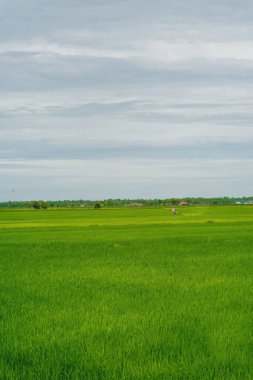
(184, 204)
(243, 202)
(135, 204)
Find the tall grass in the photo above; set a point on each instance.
(127, 294)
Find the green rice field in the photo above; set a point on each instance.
(127, 293)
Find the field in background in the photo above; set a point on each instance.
(127, 293)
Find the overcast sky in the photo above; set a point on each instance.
(125, 98)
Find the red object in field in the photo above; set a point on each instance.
(184, 204)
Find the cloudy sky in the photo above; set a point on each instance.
(125, 98)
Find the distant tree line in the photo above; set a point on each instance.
(123, 202)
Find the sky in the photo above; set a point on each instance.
(125, 99)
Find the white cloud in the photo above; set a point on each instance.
(140, 92)
(92, 179)
(41, 48)
(159, 51)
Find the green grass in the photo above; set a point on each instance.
(127, 294)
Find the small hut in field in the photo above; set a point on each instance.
(184, 204)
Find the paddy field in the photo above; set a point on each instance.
(127, 293)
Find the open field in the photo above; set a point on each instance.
(127, 294)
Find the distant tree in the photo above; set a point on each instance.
(38, 205)
(97, 205)
(43, 205)
(174, 201)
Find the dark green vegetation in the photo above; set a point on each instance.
(39, 205)
(127, 293)
(125, 202)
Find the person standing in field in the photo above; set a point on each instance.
(174, 212)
